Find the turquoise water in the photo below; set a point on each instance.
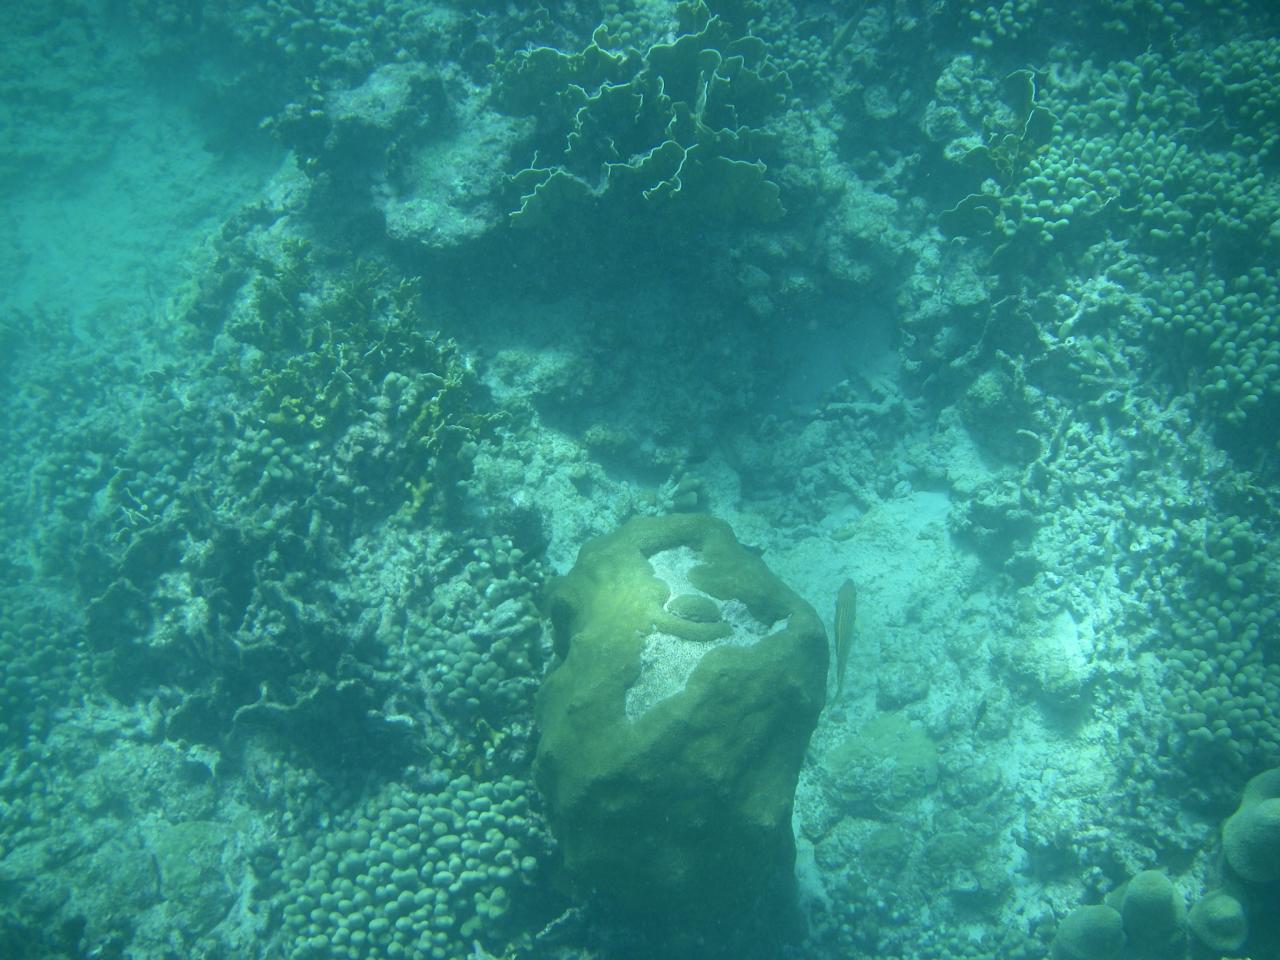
(331, 331)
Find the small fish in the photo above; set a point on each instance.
(846, 613)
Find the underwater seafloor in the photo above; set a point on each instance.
(332, 329)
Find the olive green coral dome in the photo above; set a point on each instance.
(1219, 922)
(1090, 933)
(1251, 835)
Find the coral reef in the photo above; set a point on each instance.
(971, 305)
(674, 131)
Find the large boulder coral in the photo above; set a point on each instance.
(1154, 915)
(1090, 933)
(1219, 922)
(1251, 835)
(1241, 916)
(672, 739)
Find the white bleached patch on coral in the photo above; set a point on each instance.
(667, 661)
